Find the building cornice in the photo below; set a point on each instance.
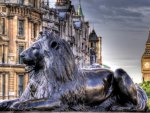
(3, 38)
(12, 65)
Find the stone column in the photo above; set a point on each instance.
(29, 33)
(11, 55)
(15, 85)
(26, 32)
(6, 53)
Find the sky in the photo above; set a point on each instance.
(124, 27)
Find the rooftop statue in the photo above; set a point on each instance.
(56, 84)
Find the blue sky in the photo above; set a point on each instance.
(124, 27)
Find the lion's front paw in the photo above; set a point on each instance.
(122, 108)
(19, 107)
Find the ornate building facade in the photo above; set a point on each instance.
(145, 62)
(50, 19)
(20, 23)
(75, 30)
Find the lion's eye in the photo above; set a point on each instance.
(33, 47)
(54, 45)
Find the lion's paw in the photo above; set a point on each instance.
(18, 107)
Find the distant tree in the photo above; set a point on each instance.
(146, 87)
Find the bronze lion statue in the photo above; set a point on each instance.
(56, 83)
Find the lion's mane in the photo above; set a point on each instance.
(59, 69)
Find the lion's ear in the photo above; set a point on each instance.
(54, 45)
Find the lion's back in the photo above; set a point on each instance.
(99, 84)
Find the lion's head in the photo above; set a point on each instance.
(51, 54)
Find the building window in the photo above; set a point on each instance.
(33, 3)
(21, 2)
(20, 49)
(30, 3)
(91, 44)
(34, 30)
(2, 25)
(1, 53)
(64, 28)
(82, 46)
(86, 48)
(20, 27)
(20, 84)
(3, 85)
(94, 44)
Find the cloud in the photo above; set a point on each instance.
(122, 12)
(125, 3)
(123, 25)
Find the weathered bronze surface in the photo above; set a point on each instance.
(56, 84)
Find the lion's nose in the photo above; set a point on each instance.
(22, 54)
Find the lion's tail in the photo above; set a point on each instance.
(142, 99)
